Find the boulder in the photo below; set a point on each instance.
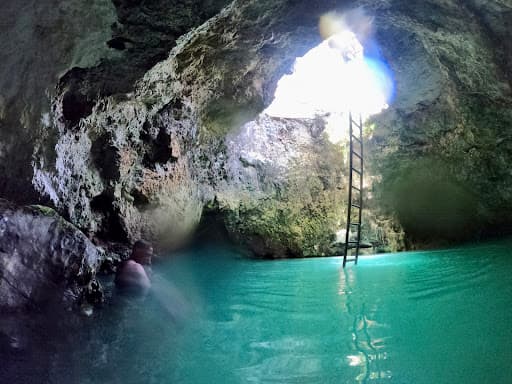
(44, 260)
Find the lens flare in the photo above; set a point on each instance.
(330, 24)
(335, 77)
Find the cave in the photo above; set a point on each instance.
(218, 132)
(212, 110)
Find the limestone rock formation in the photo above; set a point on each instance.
(166, 125)
(284, 191)
(40, 41)
(43, 260)
(442, 150)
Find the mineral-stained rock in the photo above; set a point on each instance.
(44, 260)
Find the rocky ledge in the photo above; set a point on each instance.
(44, 260)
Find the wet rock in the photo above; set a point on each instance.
(114, 254)
(44, 260)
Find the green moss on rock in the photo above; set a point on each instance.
(44, 210)
(301, 216)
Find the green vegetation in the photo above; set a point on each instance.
(43, 210)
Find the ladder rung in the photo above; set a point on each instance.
(356, 170)
(353, 242)
(357, 189)
(350, 260)
(357, 154)
(355, 205)
(355, 224)
(357, 138)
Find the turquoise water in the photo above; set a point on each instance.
(216, 317)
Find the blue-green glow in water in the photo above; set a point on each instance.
(425, 317)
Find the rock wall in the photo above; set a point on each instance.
(90, 49)
(141, 143)
(284, 190)
(442, 150)
(40, 41)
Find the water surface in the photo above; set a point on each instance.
(216, 317)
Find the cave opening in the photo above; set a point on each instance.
(336, 77)
(293, 154)
(345, 75)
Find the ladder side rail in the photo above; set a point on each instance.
(360, 190)
(349, 211)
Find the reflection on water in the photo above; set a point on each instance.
(214, 317)
(367, 350)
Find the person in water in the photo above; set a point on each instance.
(131, 274)
(134, 276)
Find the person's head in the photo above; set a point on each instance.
(142, 252)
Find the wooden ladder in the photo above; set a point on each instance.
(355, 191)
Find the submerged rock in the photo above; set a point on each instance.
(44, 260)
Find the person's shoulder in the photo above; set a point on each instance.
(128, 265)
(134, 266)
